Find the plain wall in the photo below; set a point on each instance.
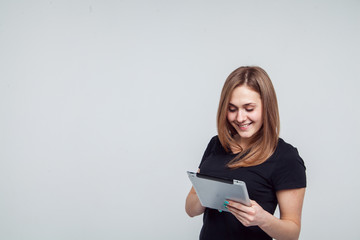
(104, 105)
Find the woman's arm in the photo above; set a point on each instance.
(193, 206)
(289, 224)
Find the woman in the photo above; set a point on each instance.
(248, 148)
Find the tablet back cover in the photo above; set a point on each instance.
(213, 191)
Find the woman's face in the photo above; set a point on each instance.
(245, 113)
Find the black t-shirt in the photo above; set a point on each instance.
(283, 170)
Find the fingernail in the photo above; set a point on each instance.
(226, 203)
(220, 210)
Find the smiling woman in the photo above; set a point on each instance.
(248, 91)
(245, 114)
(248, 148)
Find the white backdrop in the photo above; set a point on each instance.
(104, 105)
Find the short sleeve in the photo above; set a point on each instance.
(208, 149)
(290, 170)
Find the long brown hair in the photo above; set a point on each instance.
(264, 142)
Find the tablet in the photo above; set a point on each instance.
(213, 191)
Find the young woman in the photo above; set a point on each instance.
(248, 148)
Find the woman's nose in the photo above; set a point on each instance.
(241, 116)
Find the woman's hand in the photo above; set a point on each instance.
(193, 206)
(248, 216)
(289, 224)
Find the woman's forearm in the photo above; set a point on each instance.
(193, 206)
(280, 229)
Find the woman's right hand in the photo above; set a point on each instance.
(193, 206)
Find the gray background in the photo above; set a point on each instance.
(104, 105)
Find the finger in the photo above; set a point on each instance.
(239, 216)
(240, 207)
(237, 213)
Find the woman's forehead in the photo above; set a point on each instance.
(244, 95)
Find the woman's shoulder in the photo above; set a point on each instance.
(287, 152)
(284, 147)
(215, 144)
(211, 148)
(215, 139)
(289, 171)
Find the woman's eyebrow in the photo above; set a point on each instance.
(232, 105)
(245, 105)
(250, 105)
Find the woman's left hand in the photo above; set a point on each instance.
(248, 216)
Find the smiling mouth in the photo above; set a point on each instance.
(244, 125)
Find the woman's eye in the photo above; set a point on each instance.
(249, 109)
(232, 109)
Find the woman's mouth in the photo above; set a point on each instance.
(244, 126)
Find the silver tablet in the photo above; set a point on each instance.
(213, 191)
